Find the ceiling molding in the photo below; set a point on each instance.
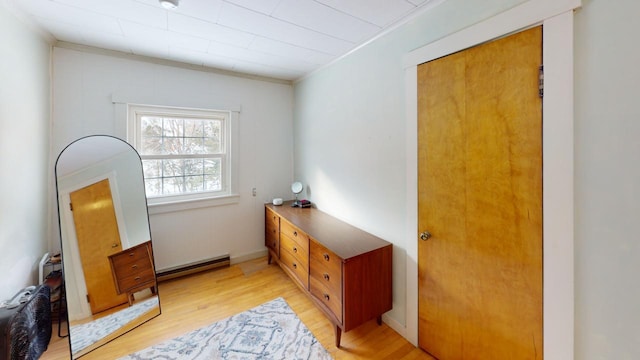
(165, 62)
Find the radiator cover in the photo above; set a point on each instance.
(188, 269)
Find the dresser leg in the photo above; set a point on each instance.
(269, 259)
(338, 336)
(379, 319)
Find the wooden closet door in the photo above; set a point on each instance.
(480, 200)
(98, 237)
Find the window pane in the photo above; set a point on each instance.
(212, 166)
(193, 183)
(213, 174)
(172, 185)
(152, 168)
(193, 146)
(172, 167)
(153, 187)
(150, 126)
(212, 183)
(172, 146)
(172, 127)
(151, 146)
(212, 145)
(193, 167)
(194, 127)
(212, 128)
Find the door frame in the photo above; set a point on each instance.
(556, 16)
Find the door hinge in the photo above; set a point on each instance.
(541, 81)
(88, 298)
(71, 206)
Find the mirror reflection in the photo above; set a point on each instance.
(107, 252)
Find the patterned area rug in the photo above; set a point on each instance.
(86, 334)
(269, 331)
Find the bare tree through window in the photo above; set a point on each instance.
(181, 154)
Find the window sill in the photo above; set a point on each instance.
(175, 206)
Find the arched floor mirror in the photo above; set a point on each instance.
(107, 254)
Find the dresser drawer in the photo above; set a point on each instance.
(127, 258)
(295, 266)
(272, 231)
(142, 278)
(327, 297)
(325, 279)
(294, 233)
(124, 269)
(299, 249)
(325, 261)
(329, 276)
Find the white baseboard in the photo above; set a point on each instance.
(248, 256)
(395, 325)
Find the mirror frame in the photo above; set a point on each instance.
(120, 218)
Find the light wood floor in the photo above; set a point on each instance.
(198, 300)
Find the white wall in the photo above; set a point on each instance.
(607, 180)
(350, 132)
(84, 81)
(349, 148)
(24, 152)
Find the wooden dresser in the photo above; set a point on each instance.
(346, 271)
(133, 270)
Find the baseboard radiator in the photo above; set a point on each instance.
(192, 268)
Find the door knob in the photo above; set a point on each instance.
(425, 236)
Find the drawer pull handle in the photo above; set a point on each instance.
(134, 266)
(325, 276)
(137, 278)
(326, 257)
(295, 233)
(295, 249)
(131, 254)
(326, 296)
(295, 266)
(274, 218)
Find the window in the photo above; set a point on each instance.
(185, 153)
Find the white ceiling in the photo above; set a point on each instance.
(283, 39)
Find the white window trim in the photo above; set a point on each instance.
(558, 288)
(191, 201)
